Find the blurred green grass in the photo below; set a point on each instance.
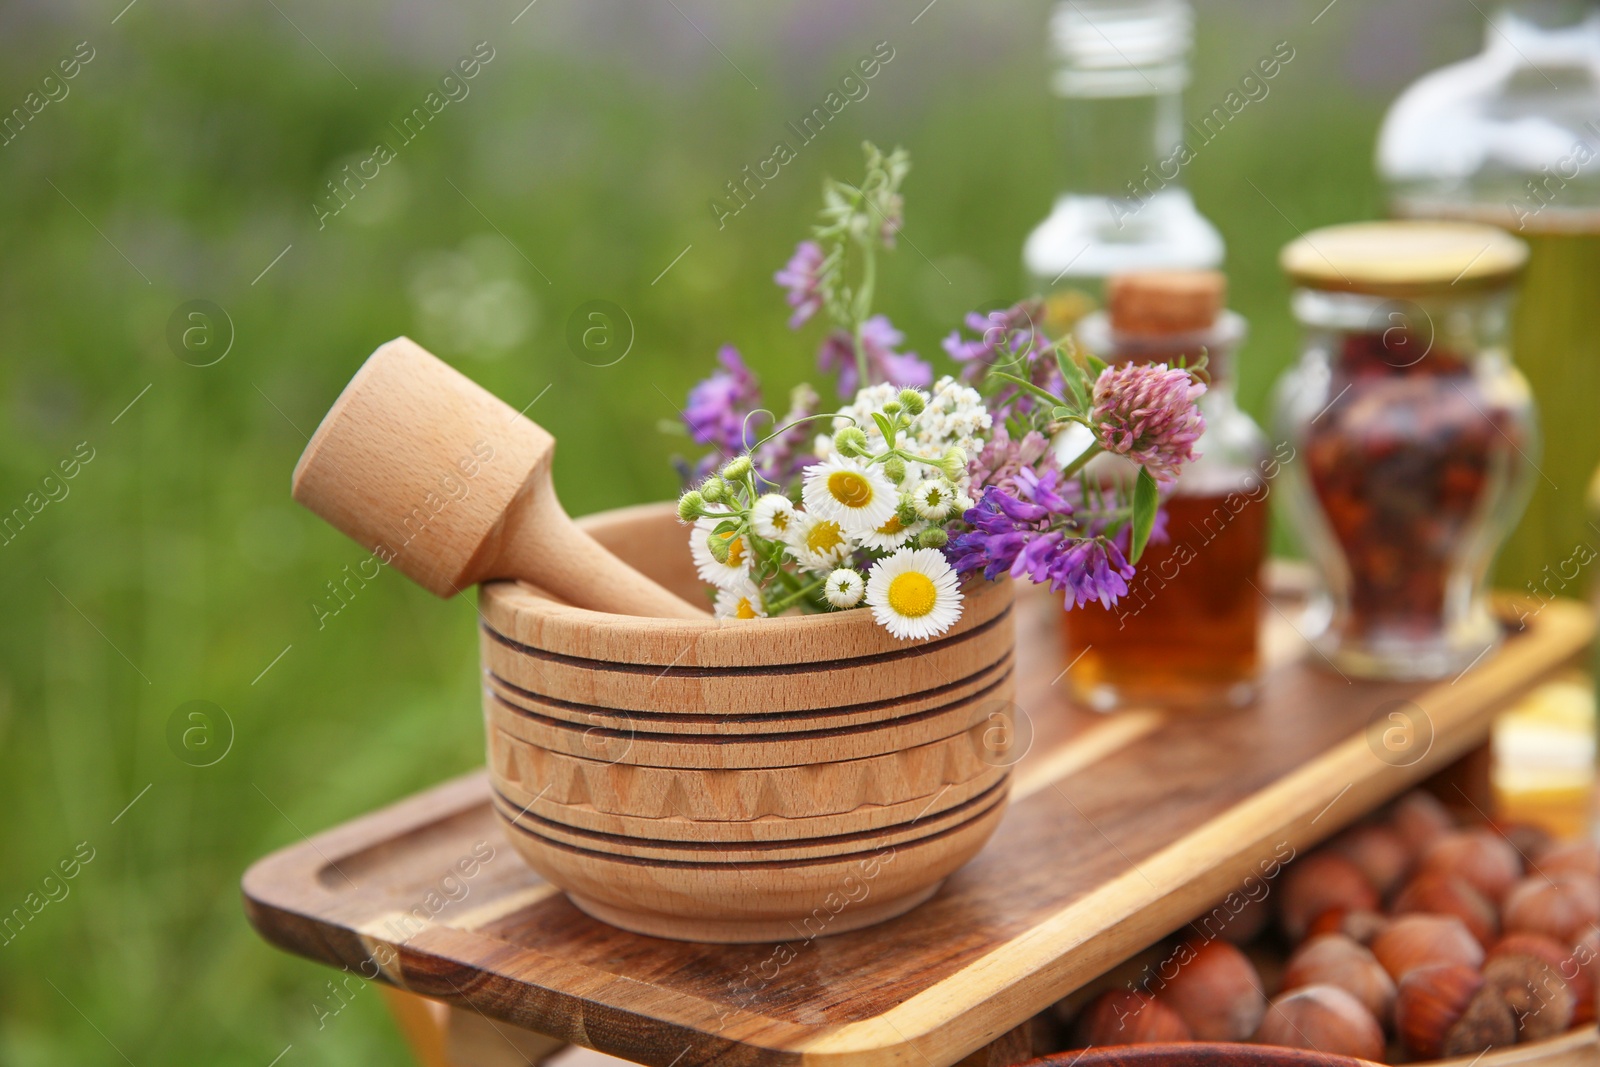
(177, 568)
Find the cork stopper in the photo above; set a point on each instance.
(1162, 302)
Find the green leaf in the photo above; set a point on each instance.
(1146, 500)
(885, 427)
(1096, 365)
(1042, 394)
(726, 526)
(1072, 374)
(1061, 414)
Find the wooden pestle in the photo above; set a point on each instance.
(440, 477)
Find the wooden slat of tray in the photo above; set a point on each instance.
(1122, 828)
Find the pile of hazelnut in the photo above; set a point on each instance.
(1407, 937)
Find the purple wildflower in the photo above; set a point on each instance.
(781, 458)
(802, 276)
(1004, 337)
(1002, 459)
(884, 364)
(1011, 340)
(717, 407)
(1148, 413)
(1017, 534)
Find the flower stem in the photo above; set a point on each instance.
(1083, 459)
(863, 306)
(777, 607)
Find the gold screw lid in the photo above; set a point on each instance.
(1403, 258)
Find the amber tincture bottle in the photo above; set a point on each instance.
(1185, 636)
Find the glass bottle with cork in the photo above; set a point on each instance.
(1186, 635)
(1121, 67)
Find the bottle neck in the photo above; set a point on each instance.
(1121, 70)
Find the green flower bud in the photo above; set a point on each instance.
(913, 401)
(850, 441)
(892, 408)
(906, 513)
(721, 547)
(715, 490)
(737, 469)
(933, 537)
(895, 469)
(953, 463)
(689, 505)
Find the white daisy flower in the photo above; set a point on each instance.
(892, 534)
(818, 544)
(722, 575)
(857, 497)
(844, 588)
(913, 593)
(933, 499)
(772, 517)
(742, 601)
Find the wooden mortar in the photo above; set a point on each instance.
(741, 780)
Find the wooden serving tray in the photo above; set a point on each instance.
(1121, 829)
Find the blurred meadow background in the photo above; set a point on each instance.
(186, 162)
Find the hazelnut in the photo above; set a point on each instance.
(1527, 839)
(1450, 1010)
(1336, 960)
(1121, 1017)
(1414, 941)
(1441, 894)
(1318, 883)
(1248, 923)
(1481, 858)
(1324, 1018)
(1359, 926)
(1585, 960)
(1543, 1002)
(1560, 908)
(1489, 1022)
(1568, 857)
(1538, 946)
(1379, 851)
(1236, 917)
(1419, 819)
(1568, 963)
(1216, 992)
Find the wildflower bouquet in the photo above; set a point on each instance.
(917, 484)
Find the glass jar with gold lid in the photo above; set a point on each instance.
(1415, 438)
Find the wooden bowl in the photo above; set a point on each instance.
(1196, 1054)
(912, 776)
(723, 780)
(711, 851)
(1575, 1048)
(728, 903)
(869, 816)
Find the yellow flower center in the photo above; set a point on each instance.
(780, 521)
(912, 594)
(850, 488)
(743, 610)
(735, 550)
(824, 538)
(893, 526)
